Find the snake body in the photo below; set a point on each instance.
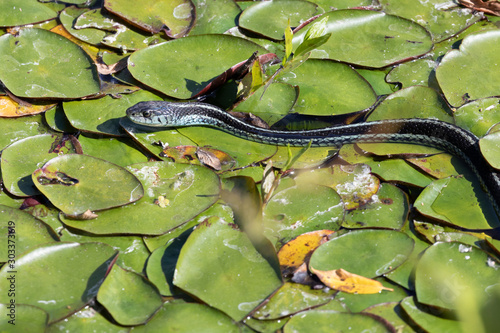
(427, 132)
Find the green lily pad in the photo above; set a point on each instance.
(21, 158)
(88, 317)
(22, 232)
(68, 19)
(479, 116)
(188, 317)
(441, 198)
(328, 88)
(128, 297)
(435, 15)
(219, 265)
(14, 129)
(174, 194)
(427, 320)
(214, 17)
(153, 139)
(21, 12)
(58, 121)
(164, 66)
(270, 103)
(103, 115)
(413, 102)
(175, 16)
(377, 79)
(75, 270)
(270, 18)
(490, 148)
(413, 73)
(33, 319)
(115, 150)
(389, 209)
(477, 59)
(399, 171)
(301, 209)
(31, 53)
(290, 299)
(79, 183)
(392, 313)
(369, 38)
(333, 321)
(446, 271)
(376, 252)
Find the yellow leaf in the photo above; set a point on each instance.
(10, 108)
(342, 280)
(298, 250)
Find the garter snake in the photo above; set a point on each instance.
(427, 132)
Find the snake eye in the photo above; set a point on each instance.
(146, 114)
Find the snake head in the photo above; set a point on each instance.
(152, 113)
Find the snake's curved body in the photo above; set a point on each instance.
(428, 132)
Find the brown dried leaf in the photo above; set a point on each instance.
(491, 7)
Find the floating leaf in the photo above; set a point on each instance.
(163, 66)
(385, 40)
(221, 278)
(268, 18)
(342, 280)
(128, 297)
(78, 183)
(175, 16)
(76, 270)
(376, 252)
(11, 108)
(31, 53)
(446, 271)
(21, 158)
(477, 57)
(21, 12)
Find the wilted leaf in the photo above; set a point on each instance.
(342, 280)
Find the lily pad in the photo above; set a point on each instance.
(75, 270)
(219, 265)
(479, 116)
(333, 321)
(290, 299)
(87, 317)
(369, 38)
(301, 209)
(22, 231)
(34, 319)
(115, 150)
(376, 252)
(128, 297)
(441, 198)
(427, 320)
(269, 18)
(477, 59)
(435, 15)
(21, 158)
(103, 115)
(388, 209)
(79, 183)
(214, 17)
(163, 66)
(31, 53)
(174, 194)
(11, 108)
(328, 88)
(68, 19)
(175, 16)
(19, 128)
(178, 316)
(490, 147)
(21, 12)
(446, 271)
